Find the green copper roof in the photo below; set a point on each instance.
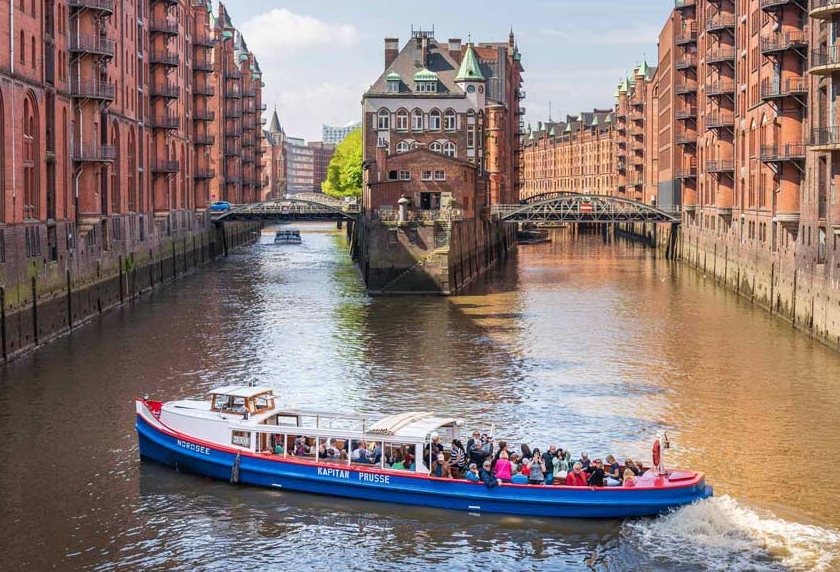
(469, 70)
(393, 76)
(644, 68)
(531, 136)
(625, 86)
(568, 128)
(425, 75)
(595, 122)
(255, 76)
(608, 118)
(551, 131)
(227, 34)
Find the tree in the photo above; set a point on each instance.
(344, 175)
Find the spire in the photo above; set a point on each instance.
(274, 125)
(469, 70)
(643, 68)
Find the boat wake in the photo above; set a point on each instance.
(721, 534)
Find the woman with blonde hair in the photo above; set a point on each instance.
(629, 478)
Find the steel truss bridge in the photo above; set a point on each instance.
(583, 208)
(302, 206)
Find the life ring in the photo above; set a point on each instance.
(657, 453)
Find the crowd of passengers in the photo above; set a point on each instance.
(483, 460)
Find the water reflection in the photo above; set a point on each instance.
(593, 346)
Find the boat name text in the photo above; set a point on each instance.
(343, 474)
(193, 447)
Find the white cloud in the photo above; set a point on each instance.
(303, 108)
(279, 31)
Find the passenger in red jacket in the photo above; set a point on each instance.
(576, 477)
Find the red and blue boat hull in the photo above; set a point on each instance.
(162, 445)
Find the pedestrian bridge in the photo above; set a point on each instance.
(583, 208)
(303, 206)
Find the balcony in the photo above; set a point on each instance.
(202, 41)
(204, 90)
(233, 131)
(684, 4)
(164, 58)
(770, 5)
(685, 138)
(249, 92)
(782, 153)
(105, 7)
(204, 139)
(686, 36)
(791, 87)
(685, 88)
(168, 3)
(721, 23)
(233, 113)
(249, 123)
(233, 73)
(825, 139)
(167, 90)
(93, 45)
(689, 172)
(720, 166)
(638, 160)
(780, 43)
(825, 61)
(232, 150)
(720, 88)
(163, 166)
(720, 55)
(203, 174)
(686, 63)
(202, 65)
(163, 26)
(720, 121)
(233, 92)
(101, 90)
(204, 115)
(636, 182)
(824, 9)
(247, 156)
(94, 154)
(164, 121)
(686, 114)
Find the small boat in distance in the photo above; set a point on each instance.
(287, 236)
(240, 434)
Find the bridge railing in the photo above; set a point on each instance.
(419, 215)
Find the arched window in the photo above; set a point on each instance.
(436, 147)
(402, 120)
(415, 145)
(417, 120)
(434, 120)
(449, 121)
(30, 153)
(22, 47)
(383, 120)
(402, 147)
(449, 149)
(132, 170)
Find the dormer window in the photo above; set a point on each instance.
(425, 81)
(393, 81)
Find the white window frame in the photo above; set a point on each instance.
(416, 120)
(393, 87)
(402, 120)
(405, 175)
(426, 176)
(449, 149)
(450, 121)
(440, 175)
(383, 120)
(471, 137)
(436, 147)
(402, 147)
(434, 120)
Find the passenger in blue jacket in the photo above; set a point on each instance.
(487, 475)
(472, 475)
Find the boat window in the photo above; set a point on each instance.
(263, 402)
(241, 439)
(228, 404)
(399, 456)
(290, 420)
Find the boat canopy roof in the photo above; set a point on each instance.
(240, 391)
(413, 424)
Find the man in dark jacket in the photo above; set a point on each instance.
(480, 452)
(548, 459)
(487, 477)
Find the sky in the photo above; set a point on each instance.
(319, 56)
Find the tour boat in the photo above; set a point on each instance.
(288, 236)
(241, 435)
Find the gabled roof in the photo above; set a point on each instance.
(470, 70)
(274, 125)
(410, 61)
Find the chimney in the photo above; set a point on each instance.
(455, 49)
(424, 51)
(392, 49)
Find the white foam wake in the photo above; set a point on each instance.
(721, 534)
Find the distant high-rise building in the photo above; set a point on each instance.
(335, 135)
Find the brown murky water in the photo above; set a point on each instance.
(588, 345)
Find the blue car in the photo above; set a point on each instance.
(219, 207)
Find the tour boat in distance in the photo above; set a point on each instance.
(241, 435)
(287, 236)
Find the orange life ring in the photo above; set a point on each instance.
(657, 453)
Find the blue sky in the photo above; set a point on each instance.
(318, 57)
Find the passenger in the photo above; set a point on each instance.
(476, 438)
(480, 452)
(408, 456)
(519, 479)
(431, 450)
(503, 448)
(629, 478)
(377, 453)
(537, 466)
(561, 467)
(278, 446)
(324, 452)
(596, 474)
(487, 476)
(584, 461)
(515, 465)
(440, 468)
(398, 461)
(576, 478)
(548, 463)
(526, 452)
(361, 454)
(631, 464)
(613, 472)
(502, 469)
(457, 459)
(301, 448)
(472, 475)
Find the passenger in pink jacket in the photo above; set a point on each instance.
(503, 468)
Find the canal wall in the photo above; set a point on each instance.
(428, 257)
(43, 297)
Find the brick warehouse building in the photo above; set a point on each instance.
(458, 105)
(575, 155)
(107, 137)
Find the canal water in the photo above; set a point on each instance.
(590, 346)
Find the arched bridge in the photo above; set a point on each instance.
(583, 208)
(304, 206)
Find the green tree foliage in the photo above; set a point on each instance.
(344, 175)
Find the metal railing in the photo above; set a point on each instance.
(718, 120)
(101, 5)
(204, 90)
(685, 88)
(202, 64)
(430, 215)
(825, 137)
(720, 166)
(93, 153)
(201, 173)
(686, 62)
(687, 35)
(93, 90)
(771, 89)
(92, 45)
(784, 152)
(163, 57)
(165, 166)
(720, 22)
(685, 137)
(820, 8)
(164, 121)
(721, 54)
(204, 139)
(686, 113)
(163, 25)
(792, 39)
(204, 115)
(720, 88)
(825, 56)
(167, 89)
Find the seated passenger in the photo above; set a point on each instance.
(440, 468)
(278, 446)
(584, 461)
(613, 472)
(408, 457)
(487, 475)
(502, 469)
(596, 474)
(629, 478)
(301, 448)
(472, 475)
(548, 462)
(324, 452)
(397, 461)
(434, 447)
(480, 451)
(457, 459)
(631, 464)
(515, 465)
(576, 478)
(361, 454)
(519, 479)
(377, 453)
